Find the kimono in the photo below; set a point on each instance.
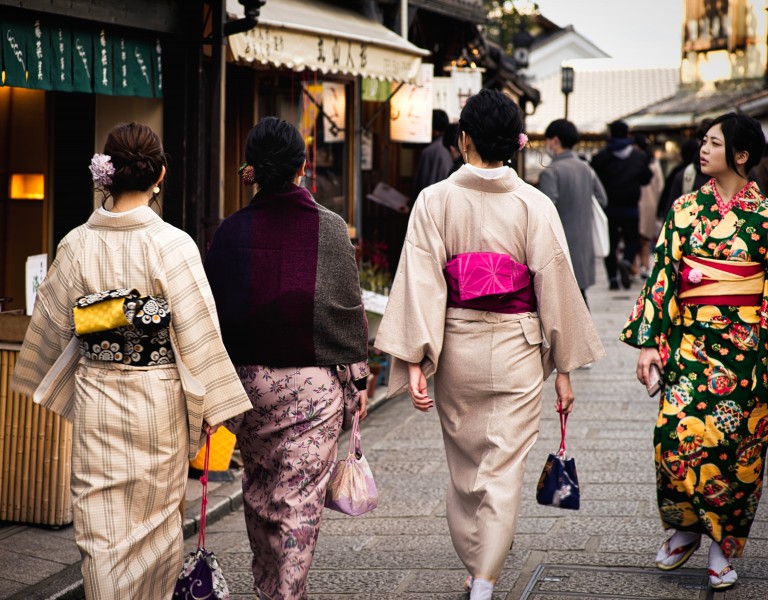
(134, 427)
(285, 280)
(489, 366)
(704, 307)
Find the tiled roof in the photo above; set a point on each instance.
(602, 93)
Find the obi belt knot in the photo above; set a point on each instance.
(489, 281)
(122, 326)
(707, 281)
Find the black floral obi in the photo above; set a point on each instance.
(124, 327)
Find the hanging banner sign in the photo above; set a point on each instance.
(15, 44)
(441, 97)
(157, 66)
(61, 71)
(375, 90)
(82, 61)
(40, 57)
(133, 68)
(102, 68)
(464, 83)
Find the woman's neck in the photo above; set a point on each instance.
(473, 158)
(729, 184)
(130, 200)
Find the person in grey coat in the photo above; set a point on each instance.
(570, 183)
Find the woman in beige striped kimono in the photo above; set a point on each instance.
(485, 299)
(138, 394)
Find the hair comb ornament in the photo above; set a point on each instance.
(522, 140)
(102, 169)
(246, 174)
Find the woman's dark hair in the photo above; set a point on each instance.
(563, 130)
(741, 133)
(494, 122)
(276, 151)
(137, 155)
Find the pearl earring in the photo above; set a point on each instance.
(156, 189)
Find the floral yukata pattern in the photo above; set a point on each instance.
(288, 443)
(712, 429)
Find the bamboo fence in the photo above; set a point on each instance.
(35, 457)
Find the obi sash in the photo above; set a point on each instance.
(489, 281)
(720, 282)
(124, 327)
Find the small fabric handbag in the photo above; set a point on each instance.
(558, 484)
(201, 576)
(351, 489)
(600, 237)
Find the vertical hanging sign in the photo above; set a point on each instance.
(40, 57)
(82, 62)
(102, 63)
(410, 116)
(61, 67)
(15, 45)
(335, 107)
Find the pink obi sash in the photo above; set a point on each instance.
(720, 282)
(489, 281)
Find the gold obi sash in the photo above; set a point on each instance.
(720, 282)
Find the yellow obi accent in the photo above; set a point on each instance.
(101, 316)
(712, 281)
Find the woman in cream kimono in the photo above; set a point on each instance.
(140, 394)
(483, 283)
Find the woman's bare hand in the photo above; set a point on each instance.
(363, 404)
(417, 388)
(648, 357)
(564, 393)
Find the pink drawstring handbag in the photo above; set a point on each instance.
(352, 490)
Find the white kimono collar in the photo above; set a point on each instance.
(508, 182)
(134, 219)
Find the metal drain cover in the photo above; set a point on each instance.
(557, 582)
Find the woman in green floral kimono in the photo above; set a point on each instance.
(701, 319)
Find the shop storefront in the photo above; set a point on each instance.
(307, 63)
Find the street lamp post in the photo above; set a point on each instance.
(566, 84)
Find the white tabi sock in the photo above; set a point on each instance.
(482, 589)
(717, 562)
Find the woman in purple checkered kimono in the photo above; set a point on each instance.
(285, 280)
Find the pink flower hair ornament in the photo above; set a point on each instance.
(522, 140)
(694, 276)
(246, 174)
(102, 169)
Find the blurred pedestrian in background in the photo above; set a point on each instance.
(570, 183)
(648, 207)
(701, 321)
(137, 416)
(691, 178)
(453, 315)
(450, 141)
(689, 151)
(286, 284)
(435, 162)
(623, 170)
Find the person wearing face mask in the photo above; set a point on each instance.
(570, 183)
(701, 321)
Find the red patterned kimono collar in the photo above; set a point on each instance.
(748, 198)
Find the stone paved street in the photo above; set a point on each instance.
(402, 550)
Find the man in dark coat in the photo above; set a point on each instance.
(435, 162)
(623, 170)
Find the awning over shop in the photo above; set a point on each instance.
(689, 106)
(301, 35)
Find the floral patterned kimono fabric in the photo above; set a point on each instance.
(711, 433)
(288, 443)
